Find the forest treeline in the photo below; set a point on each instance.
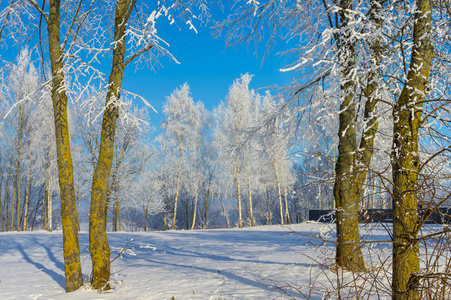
(196, 166)
(365, 123)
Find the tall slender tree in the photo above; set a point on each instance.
(406, 162)
(233, 122)
(347, 198)
(178, 140)
(69, 217)
(98, 241)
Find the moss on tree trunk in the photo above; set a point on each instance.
(347, 199)
(69, 217)
(406, 163)
(98, 241)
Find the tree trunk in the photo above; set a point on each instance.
(196, 193)
(18, 167)
(146, 213)
(206, 209)
(2, 201)
(77, 205)
(13, 202)
(6, 200)
(27, 195)
(177, 188)
(49, 207)
(268, 206)
(43, 209)
(279, 192)
(166, 214)
(287, 214)
(18, 192)
(406, 163)
(115, 208)
(225, 213)
(49, 194)
(108, 199)
(366, 148)
(72, 265)
(187, 213)
(251, 214)
(119, 222)
(98, 241)
(348, 254)
(238, 196)
(320, 202)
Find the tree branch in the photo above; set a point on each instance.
(137, 54)
(38, 8)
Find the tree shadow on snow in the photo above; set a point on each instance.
(53, 274)
(166, 249)
(229, 275)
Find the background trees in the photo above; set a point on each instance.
(234, 118)
(180, 142)
(143, 178)
(357, 56)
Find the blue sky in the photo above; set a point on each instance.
(207, 66)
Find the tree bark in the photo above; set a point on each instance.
(2, 215)
(27, 195)
(44, 210)
(2, 201)
(69, 217)
(207, 198)
(49, 207)
(115, 205)
(238, 196)
(406, 162)
(166, 214)
(287, 219)
(366, 148)
(268, 207)
(49, 194)
(98, 241)
(196, 193)
(251, 213)
(279, 191)
(6, 200)
(348, 254)
(224, 211)
(177, 188)
(146, 213)
(13, 202)
(18, 189)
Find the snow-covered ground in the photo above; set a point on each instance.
(203, 264)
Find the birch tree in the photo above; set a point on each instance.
(21, 91)
(132, 154)
(199, 131)
(233, 122)
(275, 141)
(180, 131)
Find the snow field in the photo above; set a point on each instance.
(202, 264)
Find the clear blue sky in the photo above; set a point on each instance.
(207, 66)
